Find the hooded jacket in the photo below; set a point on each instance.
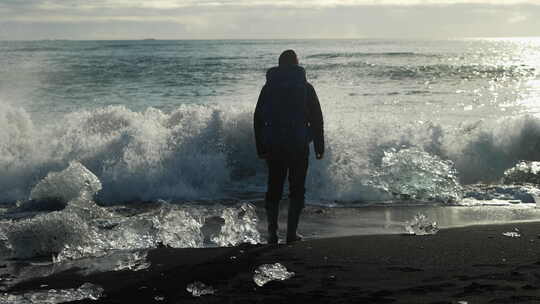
(288, 99)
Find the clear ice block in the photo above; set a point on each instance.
(419, 175)
(198, 289)
(54, 296)
(271, 272)
(420, 225)
(74, 182)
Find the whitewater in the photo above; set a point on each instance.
(108, 147)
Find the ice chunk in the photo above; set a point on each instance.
(420, 225)
(84, 229)
(417, 174)
(134, 262)
(512, 234)
(523, 172)
(198, 289)
(53, 296)
(240, 226)
(77, 252)
(48, 234)
(480, 194)
(131, 233)
(114, 261)
(74, 182)
(66, 235)
(168, 226)
(5, 246)
(271, 272)
(179, 229)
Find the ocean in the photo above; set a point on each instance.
(123, 145)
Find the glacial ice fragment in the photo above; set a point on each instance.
(178, 229)
(54, 296)
(271, 272)
(134, 262)
(480, 194)
(523, 172)
(420, 225)
(240, 226)
(74, 182)
(417, 174)
(198, 289)
(512, 234)
(5, 246)
(84, 229)
(74, 232)
(48, 234)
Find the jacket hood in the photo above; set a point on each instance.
(286, 75)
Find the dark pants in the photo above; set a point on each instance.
(278, 170)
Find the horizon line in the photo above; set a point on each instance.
(271, 39)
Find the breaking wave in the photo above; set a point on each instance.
(202, 152)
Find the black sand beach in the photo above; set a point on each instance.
(475, 264)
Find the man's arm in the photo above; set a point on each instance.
(316, 121)
(258, 122)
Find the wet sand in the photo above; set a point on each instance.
(475, 264)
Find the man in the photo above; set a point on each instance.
(287, 118)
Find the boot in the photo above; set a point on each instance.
(272, 212)
(292, 222)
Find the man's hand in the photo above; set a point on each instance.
(319, 155)
(264, 155)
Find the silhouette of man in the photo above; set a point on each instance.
(287, 118)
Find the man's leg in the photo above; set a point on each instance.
(277, 171)
(297, 181)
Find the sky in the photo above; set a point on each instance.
(266, 19)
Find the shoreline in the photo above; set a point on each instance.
(476, 264)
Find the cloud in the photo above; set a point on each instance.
(208, 19)
(171, 4)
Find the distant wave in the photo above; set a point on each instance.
(33, 49)
(433, 71)
(363, 54)
(226, 58)
(456, 71)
